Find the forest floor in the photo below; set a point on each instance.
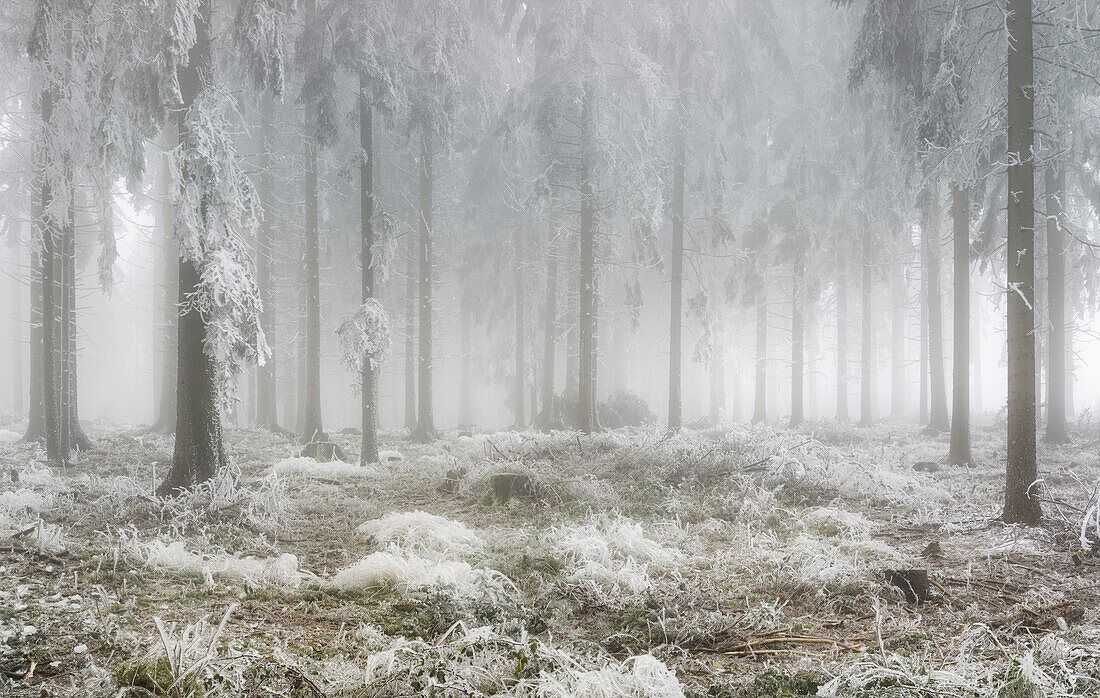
(747, 562)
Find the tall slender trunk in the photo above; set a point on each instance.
(897, 346)
(312, 429)
(960, 392)
(586, 389)
(797, 348)
(17, 366)
(165, 422)
(718, 371)
(48, 229)
(1057, 426)
(866, 380)
(368, 448)
(267, 416)
(199, 449)
(937, 406)
(1021, 471)
(73, 436)
(465, 397)
(760, 399)
(841, 344)
(922, 322)
(521, 367)
(676, 323)
(550, 337)
(410, 330)
(425, 418)
(36, 427)
(1071, 326)
(976, 383)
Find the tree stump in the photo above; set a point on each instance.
(912, 583)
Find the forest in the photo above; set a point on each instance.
(549, 348)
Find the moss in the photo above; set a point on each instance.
(774, 682)
(154, 674)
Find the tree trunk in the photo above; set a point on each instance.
(521, 367)
(797, 348)
(718, 372)
(841, 344)
(1021, 472)
(866, 380)
(676, 323)
(960, 392)
(199, 450)
(465, 397)
(17, 366)
(36, 428)
(425, 418)
(73, 436)
(550, 338)
(976, 383)
(759, 408)
(368, 448)
(922, 321)
(937, 406)
(1071, 326)
(586, 389)
(410, 331)
(1057, 426)
(312, 428)
(897, 347)
(165, 421)
(267, 416)
(48, 231)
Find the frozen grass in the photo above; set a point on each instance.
(254, 572)
(328, 470)
(401, 570)
(9, 437)
(613, 552)
(716, 539)
(423, 532)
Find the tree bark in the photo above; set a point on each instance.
(937, 406)
(897, 347)
(586, 389)
(36, 427)
(676, 322)
(1057, 426)
(17, 366)
(465, 388)
(718, 371)
(49, 365)
(425, 418)
(959, 453)
(267, 415)
(549, 343)
(759, 409)
(199, 449)
(165, 421)
(977, 406)
(1022, 469)
(797, 348)
(410, 330)
(368, 448)
(312, 427)
(841, 343)
(866, 379)
(922, 321)
(73, 436)
(520, 367)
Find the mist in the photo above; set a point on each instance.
(549, 348)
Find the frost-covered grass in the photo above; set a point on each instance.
(740, 563)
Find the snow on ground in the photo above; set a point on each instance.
(751, 562)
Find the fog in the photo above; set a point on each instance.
(531, 327)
